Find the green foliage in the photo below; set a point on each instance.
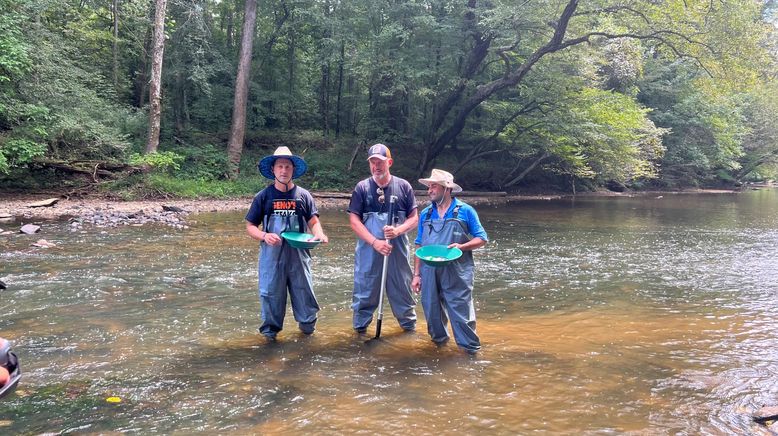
(20, 123)
(160, 161)
(192, 62)
(760, 143)
(16, 152)
(678, 90)
(206, 162)
(165, 185)
(326, 171)
(616, 137)
(191, 188)
(59, 106)
(707, 128)
(25, 132)
(14, 61)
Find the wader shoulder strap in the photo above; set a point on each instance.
(267, 210)
(429, 214)
(298, 202)
(455, 212)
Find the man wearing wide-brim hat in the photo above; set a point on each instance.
(447, 290)
(284, 206)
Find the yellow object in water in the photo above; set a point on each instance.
(113, 400)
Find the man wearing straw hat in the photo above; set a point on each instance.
(381, 235)
(447, 290)
(284, 206)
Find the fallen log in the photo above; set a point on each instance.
(332, 194)
(44, 203)
(423, 192)
(92, 168)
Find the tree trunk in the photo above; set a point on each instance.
(155, 89)
(474, 59)
(326, 75)
(340, 88)
(438, 141)
(517, 179)
(116, 45)
(477, 152)
(324, 98)
(230, 33)
(291, 107)
(178, 102)
(749, 167)
(238, 130)
(351, 106)
(142, 77)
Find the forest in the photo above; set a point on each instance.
(143, 98)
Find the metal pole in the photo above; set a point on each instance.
(389, 221)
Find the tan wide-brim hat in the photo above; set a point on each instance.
(442, 178)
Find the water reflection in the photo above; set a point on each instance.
(596, 315)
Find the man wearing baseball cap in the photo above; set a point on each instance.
(382, 235)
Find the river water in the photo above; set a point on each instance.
(597, 315)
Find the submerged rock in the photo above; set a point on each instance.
(137, 218)
(29, 229)
(42, 243)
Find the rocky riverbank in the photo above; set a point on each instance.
(103, 212)
(111, 213)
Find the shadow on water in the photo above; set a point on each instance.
(635, 315)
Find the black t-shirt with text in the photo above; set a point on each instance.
(271, 201)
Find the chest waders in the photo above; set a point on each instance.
(368, 266)
(282, 270)
(447, 291)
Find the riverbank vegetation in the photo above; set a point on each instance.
(142, 98)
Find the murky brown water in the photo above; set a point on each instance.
(639, 315)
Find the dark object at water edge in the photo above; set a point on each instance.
(16, 375)
(767, 413)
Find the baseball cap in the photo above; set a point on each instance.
(380, 151)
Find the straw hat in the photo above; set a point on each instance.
(266, 164)
(442, 178)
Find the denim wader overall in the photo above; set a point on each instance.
(447, 291)
(283, 269)
(368, 265)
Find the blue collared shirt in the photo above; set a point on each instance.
(466, 214)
